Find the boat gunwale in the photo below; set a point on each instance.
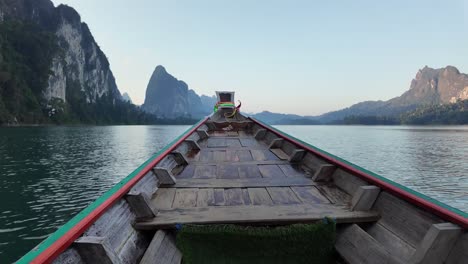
(52, 246)
(430, 204)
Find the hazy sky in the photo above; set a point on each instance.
(304, 57)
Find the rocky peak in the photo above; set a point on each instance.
(168, 97)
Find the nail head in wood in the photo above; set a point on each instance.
(364, 198)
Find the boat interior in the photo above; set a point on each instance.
(234, 170)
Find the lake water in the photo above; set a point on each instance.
(48, 174)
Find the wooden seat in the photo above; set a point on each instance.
(268, 215)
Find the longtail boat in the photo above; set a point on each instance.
(229, 169)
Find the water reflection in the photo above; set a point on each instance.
(49, 174)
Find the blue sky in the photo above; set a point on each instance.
(303, 57)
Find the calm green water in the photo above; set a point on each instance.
(49, 174)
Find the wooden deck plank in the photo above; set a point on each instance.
(163, 198)
(334, 194)
(278, 214)
(249, 171)
(259, 196)
(244, 155)
(231, 156)
(205, 172)
(186, 173)
(280, 153)
(216, 142)
(219, 155)
(244, 183)
(263, 154)
(228, 172)
(263, 162)
(233, 196)
(206, 155)
(283, 195)
(292, 171)
(309, 194)
(219, 196)
(233, 142)
(246, 197)
(271, 171)
(185, 198)
(248, 142)
(205, 197)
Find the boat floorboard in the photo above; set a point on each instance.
(238, 179)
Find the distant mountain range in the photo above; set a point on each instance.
(168, 97)
(429, 87)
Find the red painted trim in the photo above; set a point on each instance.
(413, 199)
(66, 240)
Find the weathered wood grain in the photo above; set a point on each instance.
(268, 215)
(187, 172)
(259, 196)
(205, 197)
(219, 196)
(347, 182)
(405, 220)
(163, 198)
(283, 195)
(459, 253)
(250, 182)
(139, 203)
(271, 171)
(437, 244)
(335, 195)
(358, 247)
(153, 249)
(227, 171)
(309, 194)
(248, 142)
(96, 250)
(249, 171)
(165, 177)
(231, 156)
(324, 172)
(233, 196)
(205, 172)
(365, 197)
(244, 155)
(394, 244)
(292, 170)
(280, 153)
(233, 142)
(216, 142)
(185, 198)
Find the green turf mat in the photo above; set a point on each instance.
(300, 243)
